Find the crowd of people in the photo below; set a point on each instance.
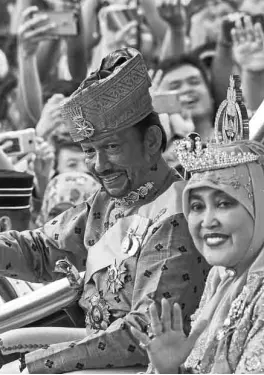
(125, 152)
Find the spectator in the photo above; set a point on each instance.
(64, 191)
(187, 78)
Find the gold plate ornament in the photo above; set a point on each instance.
(116, 277)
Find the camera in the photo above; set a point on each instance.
(23, 141)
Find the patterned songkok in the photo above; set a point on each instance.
(113, 98)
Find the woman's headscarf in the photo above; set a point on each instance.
(70, 188)
(245, 183)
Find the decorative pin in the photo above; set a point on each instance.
(116, 277)
(135, 246)
(231, 272)
(83, 126)
(126, 244)
(130, 244)
(97, 316)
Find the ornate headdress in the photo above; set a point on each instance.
(231, 127)
(113, 98)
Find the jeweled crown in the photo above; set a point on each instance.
(231, 126)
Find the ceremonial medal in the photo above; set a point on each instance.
(97, 316)
(126, 244)
(135, 246)
(116, 276)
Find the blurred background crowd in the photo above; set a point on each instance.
(47, 47)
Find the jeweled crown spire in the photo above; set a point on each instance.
(231, 126)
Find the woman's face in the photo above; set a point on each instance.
(221, 228)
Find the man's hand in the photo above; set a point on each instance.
(166, 345)
(50, 117)
(172, 12)
(34, 27)
(43, 163)
(248, 45)
(124, 36)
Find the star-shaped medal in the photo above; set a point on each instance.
(115, 278)
(83, 126)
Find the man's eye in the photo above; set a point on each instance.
(175, 85)
(90, 152)
(112, 147)
(195, 81)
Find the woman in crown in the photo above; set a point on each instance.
(223, 203)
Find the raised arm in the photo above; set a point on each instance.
(248, 48)
(33, 29)
(172, 12)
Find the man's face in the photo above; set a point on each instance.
(189, 85)
(118, 161)
(71, 159)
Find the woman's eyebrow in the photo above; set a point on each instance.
(195, 196)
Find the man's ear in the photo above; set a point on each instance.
(5, 223)
(153, 140)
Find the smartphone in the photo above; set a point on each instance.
(166, 102)
(67, 22)
(23, 141)
(117, 18)
(229, 23)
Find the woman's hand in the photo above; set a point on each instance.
(34, 27)
(248, 45)
(172, 12)
(166, 345)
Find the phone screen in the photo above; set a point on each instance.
(14, 148)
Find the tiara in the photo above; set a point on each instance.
(231, 125)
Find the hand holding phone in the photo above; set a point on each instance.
(166, 102)
(66, 23)
(19, 142)
(34, 27)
